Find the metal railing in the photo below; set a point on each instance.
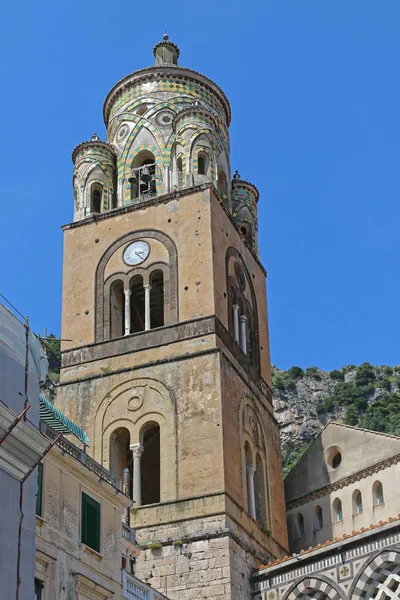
(80, 455)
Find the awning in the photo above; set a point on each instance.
(59, 422)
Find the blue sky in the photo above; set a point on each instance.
(315, 97)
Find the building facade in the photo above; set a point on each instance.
(22, 368)
(343, 521)
(164, 300)
(339, 485)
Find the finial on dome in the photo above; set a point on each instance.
(94, 138)
(165, 52)
(236, 176)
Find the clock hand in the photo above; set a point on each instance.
(139, 254)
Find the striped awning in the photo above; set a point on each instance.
(59, 422)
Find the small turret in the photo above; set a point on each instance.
(93, 178)
(165, 52)
(245, 196)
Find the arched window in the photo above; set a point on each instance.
(117, 309)
(157, 299)
(137, 304)
(300, 525)
(337, 510)
(202, 165)
(249, 480)
(120, 454)
(377, 493)
(96, 197)
(259, 491)
(319, 521)
(222, 184)
(245, 232)
(179, 169)
(143, 179)
(357, 502)
(150, 464)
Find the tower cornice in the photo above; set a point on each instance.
(158, 71)
(92, 144)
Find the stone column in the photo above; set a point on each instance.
(127, 311)
(137, 451)
(243, 341)
(236, 322)
(147, 323)
(251, 469)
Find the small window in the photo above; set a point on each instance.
(90, 522)
(201, 164)
(357, 502)
(39, 496)
(377, 492)
(319, 521)
(300, 525)
(337, 510)
(96, 200)
(38, 589)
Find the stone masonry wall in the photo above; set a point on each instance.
(201, 558)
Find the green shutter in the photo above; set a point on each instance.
(90, 522)
(39, 496)
(38, 589)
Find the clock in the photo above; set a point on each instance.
(136, 253)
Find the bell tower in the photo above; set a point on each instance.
(164, 299)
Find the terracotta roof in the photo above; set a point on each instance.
(345, 536)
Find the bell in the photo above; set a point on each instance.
(133, 178)
(145, 174)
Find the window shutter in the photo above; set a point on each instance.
(39, 496)
(90, 522)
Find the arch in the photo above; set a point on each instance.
(249, 465)
(357, 502)
(120, 454)
(377, 494)
(137, 306)
(300, 529)
(202, 163)
(246, 232)
(337, 510)
(117, 308)
(143, 180)
(374, 573)
(131, 157)
(171, 314)
(222, 184)
(156, 280)
(259, 491)
(320, 588)
(319, 518)
(96, 198)
(150, 464)
(252, 438)
(239, 280)
(132, 404)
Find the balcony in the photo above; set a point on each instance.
(134, 589)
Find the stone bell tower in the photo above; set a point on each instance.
(164, 299)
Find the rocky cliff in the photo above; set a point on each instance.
(305, 401)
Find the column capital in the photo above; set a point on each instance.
(251, 469)
(127, 292)
(243, 318)
(147, 286)
(235, 306)
(136, 449)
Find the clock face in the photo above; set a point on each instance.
(136, 253)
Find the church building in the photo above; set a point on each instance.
(168, 367)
